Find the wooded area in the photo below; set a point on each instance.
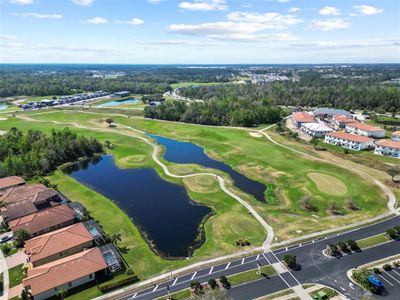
(35, 153)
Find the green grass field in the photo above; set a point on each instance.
(15, 275)
(251, 275)
(372, 241)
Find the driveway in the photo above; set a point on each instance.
(16, 259)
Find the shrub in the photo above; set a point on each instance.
(377, 271)
(387, 267)
(129, 271)
(342, 246)
(106, 287)
(352, 244)
(290, 260)
(391, 233)
(361, 276)
(333, 249)
(396, 264)
(397, 228)
(212, 283)
(6, 248)
(223, 279)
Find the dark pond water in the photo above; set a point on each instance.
(189, 153)
(162, 210)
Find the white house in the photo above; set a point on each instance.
(396, 136)
(389, 148)
(349, 141)
(315, 129)
(365, 130)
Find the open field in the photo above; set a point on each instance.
(185, 84)
(328, 184)
(229, 223)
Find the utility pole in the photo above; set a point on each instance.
(258, 268)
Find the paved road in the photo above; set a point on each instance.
(315, 268)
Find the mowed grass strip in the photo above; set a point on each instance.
(251, 275)
(328, 184)
(16, 274)
(184, 294)
(372, 241)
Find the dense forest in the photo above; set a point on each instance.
(317, 92)
(45, 80)
(217, 112)
(35, 153)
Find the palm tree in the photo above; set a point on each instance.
(62, 292)
(394, 172)
(314, 141)
(116, 238)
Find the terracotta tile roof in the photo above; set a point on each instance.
(344, 119)
(57, 241)
(62, 271)
(23, 192)
(18, 209)
(365, 127)
(303, 117)
(396, 133)
(44, 219)
(389, 143)
(10, 181)
(349, 137)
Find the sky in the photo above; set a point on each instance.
(199, 31)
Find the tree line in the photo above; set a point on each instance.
(34, 153)
(318, 92)
(232, 112)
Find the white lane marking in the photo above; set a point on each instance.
(343, 289)
(299, 245)
(391, 276)
(258, 256)
(286, 248)
(134, 296)
(279, 274)
(155, 288)
(242, 261)
(313, 241)
(176, 279)
(212, 268)
(386, 280)
(272, 252)
(227, 266)
(194, 274)
(351, 285)
(396, 272)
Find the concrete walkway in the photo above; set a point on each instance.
(4, 271)
(16, 259)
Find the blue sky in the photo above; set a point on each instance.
(199, 31)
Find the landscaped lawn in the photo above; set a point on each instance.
(15, 275)
(372, 241)
(184, 294)
(251, 275)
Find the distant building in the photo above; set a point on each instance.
(315, 129)
(340, 121)
(47, 280)
(301, 117)
(349, 141)
(57, 244)
(365, 130)
(46, 220)
(121, 94)
(396, 136)
(329, 112)
(388, 148)
(11, 181)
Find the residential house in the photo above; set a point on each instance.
(315, 129)
(57, 244)
(396, 136)
(302, 117)
(47, 280)
(11, 181)
(388, 147)
(365, 130)
(340, 121)
(22, 192)
(46, 220)
(349, 141)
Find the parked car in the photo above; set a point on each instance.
(6, 238)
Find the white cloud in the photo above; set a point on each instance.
(330, 24)
(191, 43)
(282, 1)
(204, 5)
(38, 15)
(8, 37)
(155, 1)
(22, 2)
(329, 11)
(367, 10)
(368, 43)
(134, 21)
(234, 31)
(293, 10)
(270, 20)
(96, 20)
(83, 2)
